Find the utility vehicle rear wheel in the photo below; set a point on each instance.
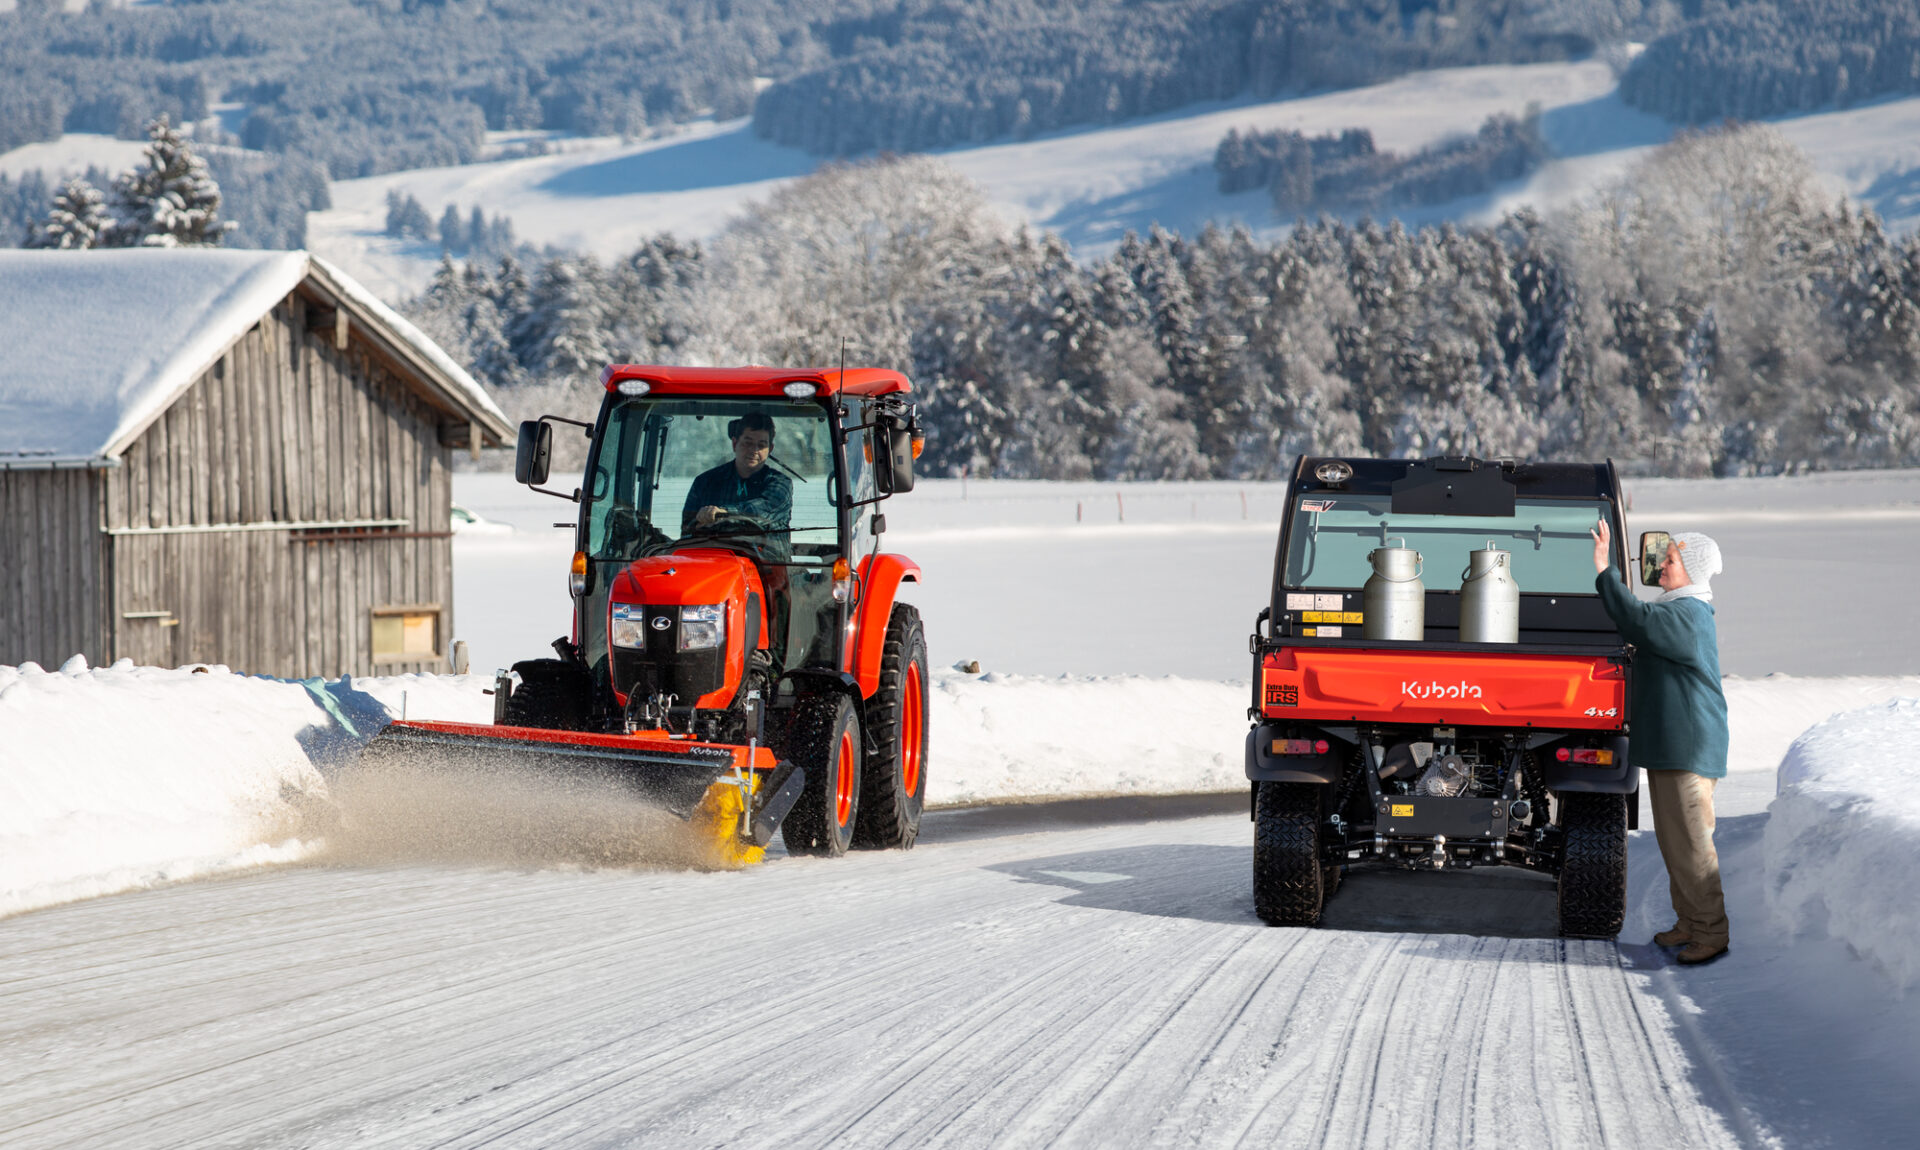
(894, 788)
(824, 742)
(1593, 866)
(1289, 881)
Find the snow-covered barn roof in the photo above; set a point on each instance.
(96, 345)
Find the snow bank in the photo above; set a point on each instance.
(1844, 833)
(119, 778)
(126, 776)
(1001, 736)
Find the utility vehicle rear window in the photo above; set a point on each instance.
(1332, 534)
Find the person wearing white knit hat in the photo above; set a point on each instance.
(1679, 727)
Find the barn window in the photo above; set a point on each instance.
(406, 634)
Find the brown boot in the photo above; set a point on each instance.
(1695, 953)
(1675, 936)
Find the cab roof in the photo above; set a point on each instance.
(728, 381)
(1530, 480)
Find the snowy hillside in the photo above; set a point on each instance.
(1091, 186)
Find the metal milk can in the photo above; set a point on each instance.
(1394, 599)
(1489, 598)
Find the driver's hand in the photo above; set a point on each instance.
(1602, 544)
(706, 515)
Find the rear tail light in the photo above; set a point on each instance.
(1299, 746)
(1590, 755)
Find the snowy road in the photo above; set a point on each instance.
(1081, 974)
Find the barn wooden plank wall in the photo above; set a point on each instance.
(52, 604)
(284, 429)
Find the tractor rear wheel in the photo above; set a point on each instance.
(552, 696)
(1289, 879)
(824, 742)
(1593, 865)
(894, 788)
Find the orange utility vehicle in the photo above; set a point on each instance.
(738, 655)
(1425, 751)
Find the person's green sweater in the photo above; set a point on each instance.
(1679, 714)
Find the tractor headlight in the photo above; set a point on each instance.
(626, 626)
(703, 626)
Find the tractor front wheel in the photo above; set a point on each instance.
(894, 787)
(1593, 865)
(824, 742)
(1289, 879)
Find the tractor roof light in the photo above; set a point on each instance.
(634, 387)
(800, 389)
(1333, 472)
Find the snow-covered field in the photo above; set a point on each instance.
(1090, 185)
(1093, 185)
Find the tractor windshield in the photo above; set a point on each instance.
(752, 475)
(1332, 534)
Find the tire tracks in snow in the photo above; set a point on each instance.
(959, 994)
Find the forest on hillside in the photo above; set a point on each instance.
(383, 85)
(1750, 59)
(1715, 312)
(369, 86)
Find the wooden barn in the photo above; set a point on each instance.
(224, 457)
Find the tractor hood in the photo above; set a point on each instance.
(687, 577)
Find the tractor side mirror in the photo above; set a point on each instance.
(533, 455)
(1653, 553)
(896, 474)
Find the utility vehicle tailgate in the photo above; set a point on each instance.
(1386, 684)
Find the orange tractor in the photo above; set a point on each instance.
(738, 655)
(1437, 686)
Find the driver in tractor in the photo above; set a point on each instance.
(744, 491)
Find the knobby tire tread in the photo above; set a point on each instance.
(1289, 878)
(889, 816)
(1593, 865)
(812, 743)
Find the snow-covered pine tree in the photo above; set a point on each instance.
(453, 231)
(77, 219)
(169, 199)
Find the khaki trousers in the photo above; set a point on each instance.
(1683, 826)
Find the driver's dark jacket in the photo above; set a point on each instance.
(764, 498)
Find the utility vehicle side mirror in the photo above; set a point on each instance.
(533, 455)
(1653, 553)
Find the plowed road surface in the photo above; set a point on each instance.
(1085, 976)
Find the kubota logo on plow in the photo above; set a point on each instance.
(1439, 690)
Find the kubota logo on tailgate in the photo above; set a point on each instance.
(1439, 690)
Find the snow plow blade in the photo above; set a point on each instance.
(733, 799)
